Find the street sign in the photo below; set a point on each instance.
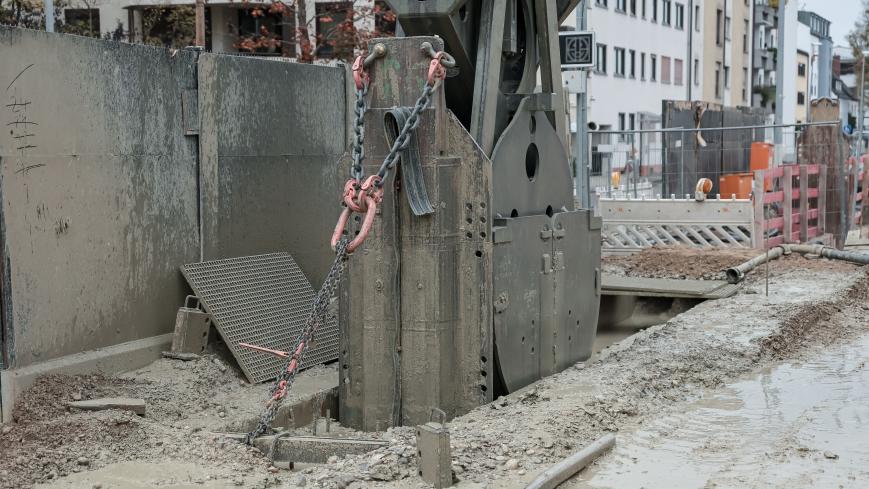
(577, 49)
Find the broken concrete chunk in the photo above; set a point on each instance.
(123, 403)
(177, 355)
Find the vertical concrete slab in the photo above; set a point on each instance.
(98, 190)
(272, 135)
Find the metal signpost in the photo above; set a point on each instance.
(577, 51)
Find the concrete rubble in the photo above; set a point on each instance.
(503, 444)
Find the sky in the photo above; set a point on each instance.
(841, 13)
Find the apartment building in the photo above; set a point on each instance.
(728, 32)
(814, 61)
(646, 52)
(763, 56)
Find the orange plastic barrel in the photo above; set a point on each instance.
(738, 184)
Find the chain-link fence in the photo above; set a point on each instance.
(670, 161)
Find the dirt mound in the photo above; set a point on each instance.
(679, 263)
(705, 264)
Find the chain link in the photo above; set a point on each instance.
(357, 153)
(321, 302)
(316, 318)
(403, 140)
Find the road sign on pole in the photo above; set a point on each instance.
(577, 49)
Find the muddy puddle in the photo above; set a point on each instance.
(796, 425)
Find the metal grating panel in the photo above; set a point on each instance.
(263, 300)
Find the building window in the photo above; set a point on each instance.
(600, 3)
(719, 17)
(680, 16)
(665, 69)
(633, 63)
(643, 8)
(653, 67)
(335, 31)
(801, 69)
(745, 36)
(726, 76)
(677, 71)
(264, 31)
(619, 69)
(654, 10)
(642, 66)
(633, 4)
(801, 98)
(745, 84)
(696, 72)
(727, 28)
(717, 80)
(632, 121)
(666, 10)
(82, 21)
(621, 121)
(697, 18)
(600, 67)
(621, 6)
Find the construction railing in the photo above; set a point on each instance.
(793, 208)
(788, 204)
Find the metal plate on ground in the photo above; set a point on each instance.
(263, 300)
(663, 287)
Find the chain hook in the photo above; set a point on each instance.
(360, 76)
(436, 70)
(363, 199)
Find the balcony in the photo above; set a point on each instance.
(763, 60)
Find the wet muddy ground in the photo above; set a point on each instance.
(800, 424)
(695, 394)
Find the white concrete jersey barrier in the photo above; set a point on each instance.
(630, 225)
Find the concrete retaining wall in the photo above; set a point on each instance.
(119, 163)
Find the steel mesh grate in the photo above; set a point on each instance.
(263, 300)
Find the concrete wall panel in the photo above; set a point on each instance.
(272, 136)
(99, 192)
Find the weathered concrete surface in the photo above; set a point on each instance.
(123, 403)
(415, 306)
(313, 449)
(117, 358)
(272, 135)
(98, 188)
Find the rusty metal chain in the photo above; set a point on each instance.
(357, 152)
(316, 318)
(341, 245)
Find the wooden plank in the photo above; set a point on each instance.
(773, 197)
(864, 222)
(774, 223)
(852, 195)
(822, 199)
(804, 204)
(788, 205)
(759, 199)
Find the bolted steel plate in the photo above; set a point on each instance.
(263, 300)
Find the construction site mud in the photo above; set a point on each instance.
(181, 442)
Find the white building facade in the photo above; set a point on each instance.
(645, 54)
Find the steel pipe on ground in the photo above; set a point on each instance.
(560, 472)
(737, 274)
